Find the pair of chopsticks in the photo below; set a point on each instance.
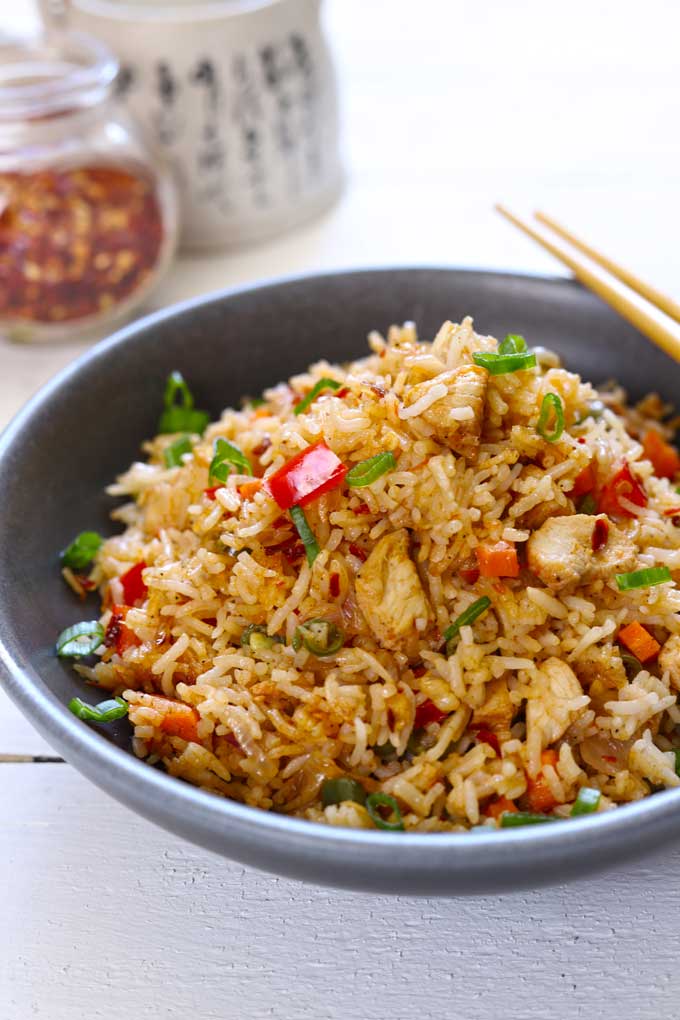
(653, 313)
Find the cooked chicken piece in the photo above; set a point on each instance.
(561, 551)
(551, 708)
(497, 711)
(669, 659)
(456, 416)
(390, 594)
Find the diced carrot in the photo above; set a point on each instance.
(584, 482)
(539, 794)
(179, 720)
(248, 489)
(499, 806)
(639, 641)
(622, 485)
(664, 457)
(499, 560)
(261, 412)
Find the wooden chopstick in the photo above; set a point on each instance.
(637, 310)
(661, 300)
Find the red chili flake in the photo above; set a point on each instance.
(211, 492)
(85, 582)
(428, 713)
(490, 738)
(581, 440)
(76, 242)
(363, 508)
(609, 757)
(378, 390)
(673, 512)
(334, 585)
(470, 576)
(262, 447)
(292, 549)
(357, 551)
(600, 534)
(419, 671)
(134, 588)
(117, 635)
(211, 621)
(342, 392)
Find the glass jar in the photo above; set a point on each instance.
(88, 217)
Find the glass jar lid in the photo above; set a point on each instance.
(41, 76)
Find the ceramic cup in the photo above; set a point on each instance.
(240, 96)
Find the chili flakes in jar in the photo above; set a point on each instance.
(75, 243)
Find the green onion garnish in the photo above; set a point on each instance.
(105, 711)
(322, 384)
(366, 471)
(501, 364)
(80, 639)
(253, 402)
(335, 791)
(513, 344)
(82, 550)
(224, 455)
(513, 819)
(677, 761)
(394, 822)
(255, 636)
(320, 637)
(631, 665)
(179, 413)
(468, 616)
(643, 578)
(551, 407)
(306, 534)
(172, 455)
(587, 801)
(587, 504)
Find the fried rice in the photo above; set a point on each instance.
(488, 506)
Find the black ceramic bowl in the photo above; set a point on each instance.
(86, 426)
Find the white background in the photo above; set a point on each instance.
(449, 106)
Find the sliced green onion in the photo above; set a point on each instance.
(374, 802)
(172, 455)
(386, 751)
(513, 344)
(551, 406)
(677, 761)
(469, 615)
(631, 665)
(335, 791)
(587, 801)
(587, 504)
(224, 455)
(320, 637)
(105, 711)
(179, 413)
(306, 534)
(255, 636)
(253, 402)
(501, 364)
(366, 471)
(513, 819)
(82, 550)
(643, 578)
(80, 639)
(322, 384)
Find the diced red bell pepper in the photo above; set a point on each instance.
(212, 491)
(664, 457)
(490, 738)
(117, 635)
(134, 589)
(624, 485)
(584, 482)
(427, 713)
(306, 476)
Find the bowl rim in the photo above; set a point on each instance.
(87, 749)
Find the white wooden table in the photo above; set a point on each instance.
(448, 107)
